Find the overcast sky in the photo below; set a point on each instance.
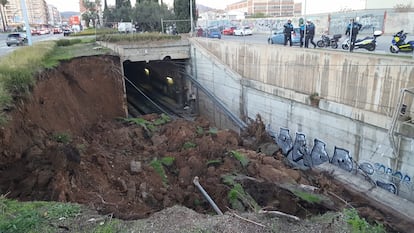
(312, 6)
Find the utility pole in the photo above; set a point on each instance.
(26, 21)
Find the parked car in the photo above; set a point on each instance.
(228, 31)
(16, 39)
(243, 31)
(277, 37)
(212, 33)
(57, 30)
(67, 32)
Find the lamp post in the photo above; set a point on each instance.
(26, 21)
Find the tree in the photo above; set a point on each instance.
(3, 3)
(148, 15)
(182, 12)
(91, 13)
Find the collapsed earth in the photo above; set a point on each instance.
(70, 140)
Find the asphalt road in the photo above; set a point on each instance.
(4, 49)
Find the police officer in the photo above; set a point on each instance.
(288, 29)
(352, 30)
(310, 33)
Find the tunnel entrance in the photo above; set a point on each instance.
(158, 87)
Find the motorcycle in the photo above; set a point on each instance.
(369, 43)
(398, 43)
(327, 41)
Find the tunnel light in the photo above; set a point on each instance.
(147, 71)
(170, 80)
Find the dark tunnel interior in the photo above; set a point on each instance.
(156, 87)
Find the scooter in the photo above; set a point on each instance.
(369, 43)
(398, 43)
(327, 41)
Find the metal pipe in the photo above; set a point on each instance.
(205, 194)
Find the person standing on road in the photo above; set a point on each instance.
(310, 33)
(352, 31)
(302, 31)
(288, 29)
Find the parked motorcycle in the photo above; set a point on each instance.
(369, 43)
(398, 43)
(327, 41)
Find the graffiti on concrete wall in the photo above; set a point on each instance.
(299, 155)
(370, 22)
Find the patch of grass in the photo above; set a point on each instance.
(163, 119)
(17, 217)
(137, 37)
(199, 130)
(62, 137)
(167, 161)
(213, 131)
(188, 145)
(244, 161)
(159, 169)
(308, 197)
(239, 199)
(148, 125)
(360, 225)
(111, 226)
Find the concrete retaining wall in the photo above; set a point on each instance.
(359, 95)
(387, 20)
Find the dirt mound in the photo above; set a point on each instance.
(65, 144)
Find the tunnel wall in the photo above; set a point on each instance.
(359, 94)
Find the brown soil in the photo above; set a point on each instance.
(65, 143)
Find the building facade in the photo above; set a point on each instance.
(37, 12)
(270, 8)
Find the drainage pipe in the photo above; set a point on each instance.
(205, 194)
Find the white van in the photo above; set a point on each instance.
(126, 27)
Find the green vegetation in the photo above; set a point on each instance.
(308, 197)
(149, 126)
(32, 216)
(62, 137)
(238, 198)
(360, 225)
(136, 37)
(159, 169)
(213, 131)
(239, 156)
(188, 145)
(111, 226)
(214, 162)
(199, 131)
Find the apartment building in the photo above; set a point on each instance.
(55, 18)
(37, 12)
(270, 8)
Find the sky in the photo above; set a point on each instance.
(312, 6)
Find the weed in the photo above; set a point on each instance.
(239, 156)
(159, 169)
(167, 161)
(214, 162)
(188, 145)
(199, 130)
(238, 199)
(308, 197)
(142, 122)
(163, 119)
(213, 131)
(360, 225)
(62, 137)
